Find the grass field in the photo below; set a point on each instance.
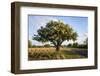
(50, 53)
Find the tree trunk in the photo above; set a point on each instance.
(57, 48)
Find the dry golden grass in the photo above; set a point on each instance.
(45, 49)
(40, 53)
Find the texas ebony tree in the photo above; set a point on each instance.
(55, 32)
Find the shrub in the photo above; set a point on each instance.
(47, 45)
(29, 43)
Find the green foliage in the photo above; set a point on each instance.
(75, 44)
(47, 45)
(29, 44)
(70, 45)
(55, 32)
(34, 46)
(86, 42)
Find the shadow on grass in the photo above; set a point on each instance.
(82, 52)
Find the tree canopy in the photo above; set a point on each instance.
(55, 32)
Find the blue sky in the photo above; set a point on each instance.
(79, 24)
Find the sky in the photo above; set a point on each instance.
(79, 24)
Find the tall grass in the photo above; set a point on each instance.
(51, 53)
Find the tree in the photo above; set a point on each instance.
(75, 44)
(47, 45)
(29, 44)
(69, 45)
(86, 42)
(55, 32)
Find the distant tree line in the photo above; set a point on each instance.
(74, 45)
(77, 45)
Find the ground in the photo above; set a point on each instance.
(50, 53)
